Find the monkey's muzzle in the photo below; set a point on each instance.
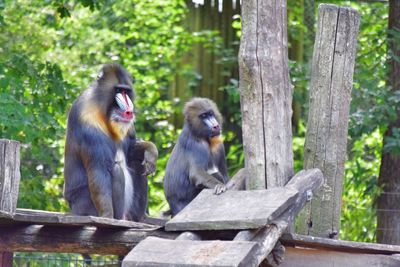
(125, 106)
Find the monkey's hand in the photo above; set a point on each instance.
(142, 157)
(150, 158)
(219, 189)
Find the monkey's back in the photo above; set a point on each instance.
(178, 188)
(79, 136)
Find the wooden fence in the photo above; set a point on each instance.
(210, 74)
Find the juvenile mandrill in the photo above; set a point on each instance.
(198, 159)
(105, 166)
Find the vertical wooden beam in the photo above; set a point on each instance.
(9, 185)
(9, 175)
(6, 259)
(266, 94)
(326, 138)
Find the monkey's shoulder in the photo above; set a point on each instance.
(195, 149)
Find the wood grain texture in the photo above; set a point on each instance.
(9, 175)
(338, 245)
(179, 253)
(73, 239)
(232, 210)
(304, 182)
(25, 216)
(305, 257)
(6, 259)
(326, 137)
(265, 94)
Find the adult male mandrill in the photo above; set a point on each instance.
(102, 177)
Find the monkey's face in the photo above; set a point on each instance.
(122, 109)
(211, 124)
(203, 118)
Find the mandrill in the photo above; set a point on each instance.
(198, 159)
(105, 166)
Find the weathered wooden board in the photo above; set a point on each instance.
(73, 239)
(338, 245)
(265, 94)
(9, 174)
(330, 94)
(232, 210)
(155, 251)
(25, 216)
(6, 259)
(304, 182)
(305, 257)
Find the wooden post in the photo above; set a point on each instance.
(9, 185)
(265, 94)
(326, 138)
(9, 175)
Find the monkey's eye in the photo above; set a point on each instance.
(203, 116)
(123, 88)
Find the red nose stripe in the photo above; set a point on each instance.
(126, 99)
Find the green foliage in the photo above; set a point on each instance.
(50, 55)
(31, 105)
(298, 148)
(358, 220)
(372, 105)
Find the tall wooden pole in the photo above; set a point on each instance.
(265, 94)
(330, 93)
(9, 186)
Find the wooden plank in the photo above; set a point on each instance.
(338, 245)
(5, 215)
(330, 94)
(178, 253)
(232, 210)
(6, 259)
(26, 216)
(304, 257)
(73, 239)
(305, 182)
(9, 175)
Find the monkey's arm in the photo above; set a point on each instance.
(221, 163)
(98, 160)
(145, 152)
(201, 179)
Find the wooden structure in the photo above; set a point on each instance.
(265, 94)
(211, 15)
(326, 137)
(237, 228)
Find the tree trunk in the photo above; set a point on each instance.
(296, 53)
(265, 94)
(388, 212)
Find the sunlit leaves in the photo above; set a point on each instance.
(358, 220)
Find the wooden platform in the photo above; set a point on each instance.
(39, 217)
(155, 251)
(232, 210)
